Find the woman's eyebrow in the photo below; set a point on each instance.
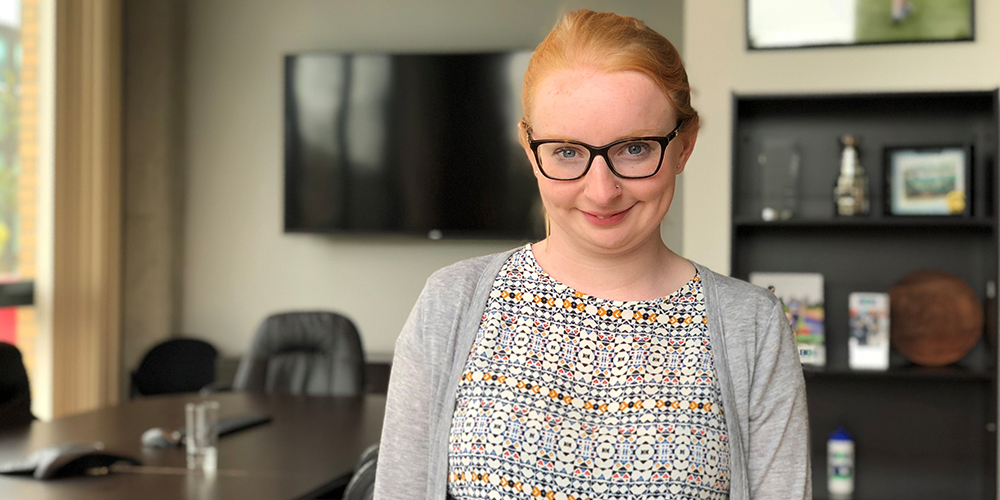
(644, 132)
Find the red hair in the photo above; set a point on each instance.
(609, 42)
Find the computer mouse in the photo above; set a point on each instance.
(158, 437)
(74, 460)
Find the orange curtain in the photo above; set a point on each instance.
(86, 297)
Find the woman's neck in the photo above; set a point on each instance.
(647, 271)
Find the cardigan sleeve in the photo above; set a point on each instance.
(403, 464)
(778, 455)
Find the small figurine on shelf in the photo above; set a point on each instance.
(851, 192)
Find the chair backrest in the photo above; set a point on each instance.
(362, 483)
(176, 365)
(15, 392)
(314, 353)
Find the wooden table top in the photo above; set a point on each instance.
(312, 443)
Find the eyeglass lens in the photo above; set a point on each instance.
(563, 160)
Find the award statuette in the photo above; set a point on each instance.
(850, 194)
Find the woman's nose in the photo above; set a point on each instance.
(601, 182)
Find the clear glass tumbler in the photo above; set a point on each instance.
(779, 161)
(202, 434)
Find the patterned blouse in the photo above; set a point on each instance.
(568, 396)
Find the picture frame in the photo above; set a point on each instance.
(794, 24)
(928, 180)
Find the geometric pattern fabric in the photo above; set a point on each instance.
(569, 396)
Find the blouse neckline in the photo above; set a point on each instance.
(687, 289)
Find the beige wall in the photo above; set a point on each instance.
(719, 64)
(238, 266)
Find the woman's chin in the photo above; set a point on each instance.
(611, 240)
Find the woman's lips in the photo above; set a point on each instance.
(606, 219)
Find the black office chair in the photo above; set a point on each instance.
(315, 353)
(176, 365)
(15, 392)
(362, 484)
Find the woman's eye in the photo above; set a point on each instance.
(635, 148)
(567, 154)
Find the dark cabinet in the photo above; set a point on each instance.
(919, 432)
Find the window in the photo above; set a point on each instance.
(19, 30)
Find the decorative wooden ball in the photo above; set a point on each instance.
(936, 318)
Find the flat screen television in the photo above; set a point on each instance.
(421, 144)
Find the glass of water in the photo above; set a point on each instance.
(202, 434)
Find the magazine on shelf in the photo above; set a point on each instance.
(868, 347)
(801, 295)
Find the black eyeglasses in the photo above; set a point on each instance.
(630, 158)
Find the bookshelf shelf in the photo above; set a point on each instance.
(913, 372)
(897, 223)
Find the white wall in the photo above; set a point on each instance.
(719, 64)
(238, 266)
(42, 379)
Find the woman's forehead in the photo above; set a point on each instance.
(579, 100)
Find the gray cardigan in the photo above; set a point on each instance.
(763, 391)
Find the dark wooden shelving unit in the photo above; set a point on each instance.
(920, 433)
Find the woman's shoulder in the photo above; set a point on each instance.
(464, 276)
(733, 291)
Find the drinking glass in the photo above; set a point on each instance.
(202, 434)
(779, 165)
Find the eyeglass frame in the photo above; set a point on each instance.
(602, 151)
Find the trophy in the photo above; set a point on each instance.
(851, 191)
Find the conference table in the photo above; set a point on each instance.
(311, 446)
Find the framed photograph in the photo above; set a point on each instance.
(783, 24)
(928, 180)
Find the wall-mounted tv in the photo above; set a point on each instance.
(421, 144)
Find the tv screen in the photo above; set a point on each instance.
(403, 143)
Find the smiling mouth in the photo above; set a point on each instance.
(612, 214)
(609, 216)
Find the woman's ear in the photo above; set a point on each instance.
(687, 142)
(522, 136)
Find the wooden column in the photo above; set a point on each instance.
(86, 307)
(153, 177)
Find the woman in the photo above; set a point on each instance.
(597, 363)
